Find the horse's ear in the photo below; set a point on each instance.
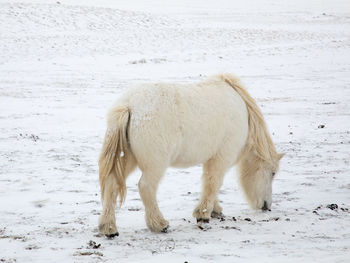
(280, 155)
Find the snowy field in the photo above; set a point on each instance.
(62, 65)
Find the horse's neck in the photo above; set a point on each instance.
(261, 146)
(249, 162)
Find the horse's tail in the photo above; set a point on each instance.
(112, 161)
(259, 137)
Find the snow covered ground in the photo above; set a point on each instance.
(63, 63)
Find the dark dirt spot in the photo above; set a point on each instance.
(247, 219)
(231, 227)
(31, 247)
(9, 260)
(32, 137)
(316, 209)
(321, 126)
(319, 207)
(88, 253)
(273, 219)
(204, 228)
(134, 209)
(93, 244)
(328, 103)
(14, 237)
(332, 206)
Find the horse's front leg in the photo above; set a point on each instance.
(217, 210)
(213, 174)
(148, 186)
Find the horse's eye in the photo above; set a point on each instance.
(273, 174)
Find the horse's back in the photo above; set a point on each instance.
(185, 124)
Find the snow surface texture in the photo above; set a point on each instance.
(63, 64)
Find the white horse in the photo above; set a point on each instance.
(154, 126)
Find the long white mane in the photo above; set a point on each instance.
(259, 139)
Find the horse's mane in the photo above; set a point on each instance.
(259, 139)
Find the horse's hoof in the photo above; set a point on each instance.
(265, 207)
(204, 220)
(112, 235)
(217, 215)
(165, 229)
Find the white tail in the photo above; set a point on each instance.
(113, 157)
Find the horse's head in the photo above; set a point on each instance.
(256, 178)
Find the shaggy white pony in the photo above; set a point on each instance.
(214, 122)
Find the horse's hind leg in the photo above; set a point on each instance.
(107, 223)
(148, 186)
(213, 174)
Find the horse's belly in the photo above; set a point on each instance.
(198, 145)
(187, 159)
